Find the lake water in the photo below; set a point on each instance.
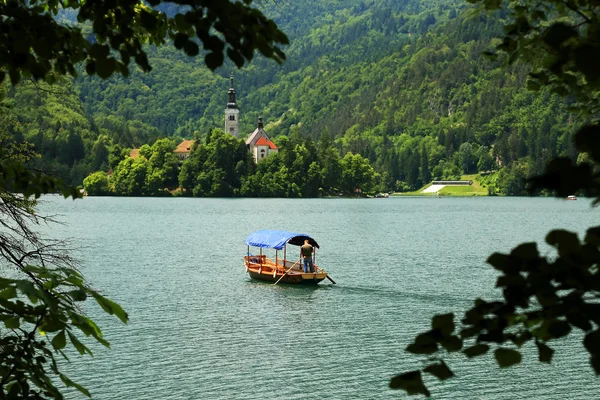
(200, 329)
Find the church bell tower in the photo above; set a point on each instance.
(232, 113)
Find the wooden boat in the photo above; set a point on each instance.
(281, 270)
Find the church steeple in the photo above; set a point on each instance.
(260, 122)
(231, 111)
(231, 95)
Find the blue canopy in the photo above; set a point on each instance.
(277, 239)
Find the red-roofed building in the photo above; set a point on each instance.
(134, 153)
(264, 148)
(259, 143)
(183, 150)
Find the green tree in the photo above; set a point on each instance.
(329, 159)
(357, 174)
(485, 161)
(164, 162)
(96, 184)
(467, 157)
(217, 167)
(425, 173)
(130, 177)
(100, 154)
(511, 180)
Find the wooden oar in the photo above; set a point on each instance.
(326, 276)
(287, 271)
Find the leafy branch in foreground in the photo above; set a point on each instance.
(543, 300)
(35, 43)
(41, 291)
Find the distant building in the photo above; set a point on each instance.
(259, 143)
(232, 113)
(183, 150)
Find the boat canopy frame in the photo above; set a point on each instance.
(276, 239)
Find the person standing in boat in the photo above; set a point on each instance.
(306, 251)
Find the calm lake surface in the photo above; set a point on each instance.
(200, 329)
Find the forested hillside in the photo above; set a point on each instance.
(403, 84)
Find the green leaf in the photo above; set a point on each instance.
(78, 295)
(425, 343)
(213, 60)
(70, 383)
(470, 332)
(498, 261)
(595, 361)
(558, 329)
(507, 357)
(439, 370)
(52, 324)
(14, 390)
(180, 40)
(476, 350)
(519, 339)
(191, 48)
(586, 59)
(593, 236)
(27, 288)
(566, 242)
(512, 281)
(98, 51)
(587, 139)
(86, 325)
(452, 343)
(579, 320)
(81, 348)
(4, 283)
(557, 34)
(592, 343)
(236, 57)
(411, 382)
(544, 351)
(105, 67)
(59, 341)
(12, 323)
(443, 322)
(526, 251)
(8, 293)
(111, 307)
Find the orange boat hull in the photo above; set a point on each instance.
(264, 269)
(295, 278)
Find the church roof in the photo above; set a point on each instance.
(266, 142)
(184, 147)
(258, 132)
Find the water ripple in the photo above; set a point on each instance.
(200, 329)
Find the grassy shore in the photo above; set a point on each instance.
(475, 189)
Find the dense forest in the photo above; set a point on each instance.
(399, 89)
